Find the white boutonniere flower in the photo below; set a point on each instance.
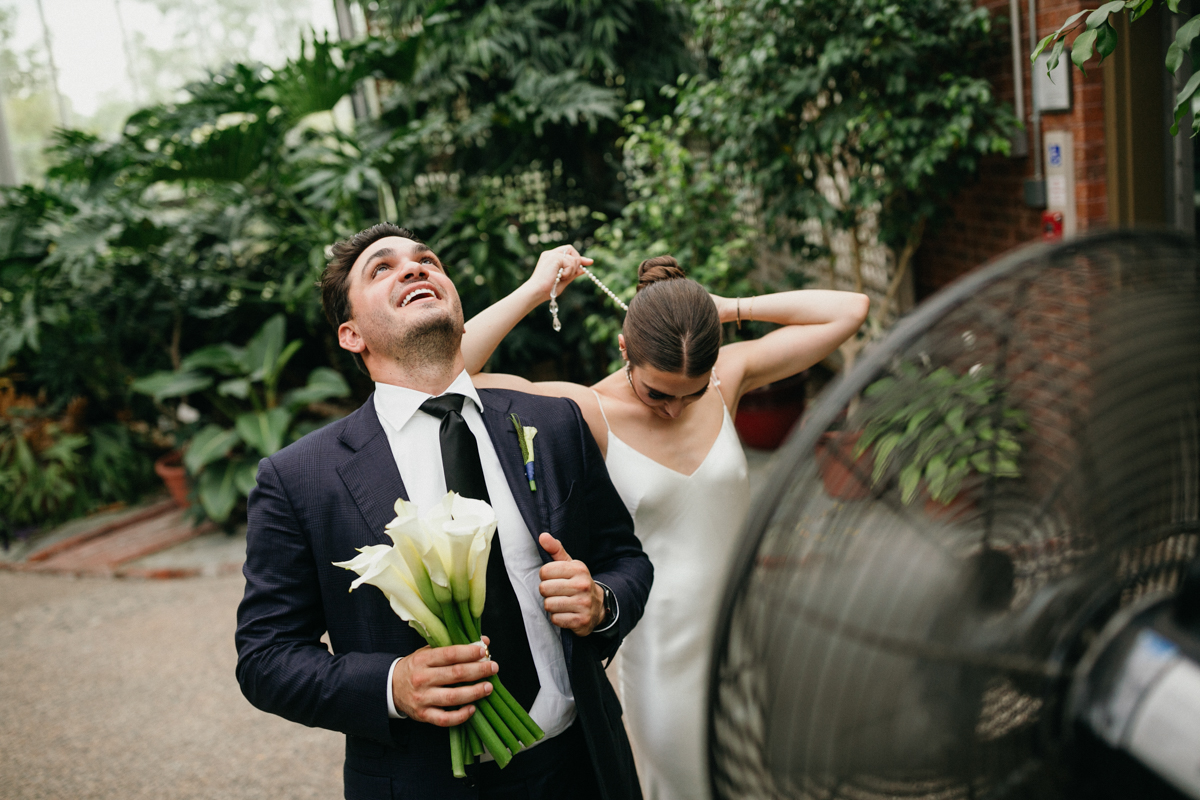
(525, 436)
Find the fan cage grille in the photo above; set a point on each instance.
(832, 681)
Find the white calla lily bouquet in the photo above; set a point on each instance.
(434, 575)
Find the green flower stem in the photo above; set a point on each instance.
(475, 747)
(489, 738)
(424, 585)
(518, 718)
(511, 720)
(498, 725)
(486, 735)
(508, 719)
(516, 708)
(456, 752)
(494, 718)
(467, 621)
(454, 625)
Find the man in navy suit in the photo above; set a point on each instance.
(578, 573)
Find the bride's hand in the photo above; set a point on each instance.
(567, 259)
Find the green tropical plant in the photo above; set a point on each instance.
(507, 142)
(118, 468)
(207, 215)
(133, 247)
(250, 419)
(938, 428)
(42, 462)
(38, 473)
(681, 203)
(849, 120)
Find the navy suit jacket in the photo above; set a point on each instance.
(333, 491)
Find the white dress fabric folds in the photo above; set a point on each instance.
(688, 526)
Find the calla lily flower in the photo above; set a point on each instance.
(383, 568)
(406, 514)
(470, 533)
(479, 516)
(481, 551)
(460, 537)
(410, 539)
(435, 550)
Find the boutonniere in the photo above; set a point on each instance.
(525, 436)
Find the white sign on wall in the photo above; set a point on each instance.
(1052, 93)
(1058, 148)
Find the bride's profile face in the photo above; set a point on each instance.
(667, 394)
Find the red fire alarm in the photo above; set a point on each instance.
(1052, 225)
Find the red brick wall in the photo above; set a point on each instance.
(990, 217)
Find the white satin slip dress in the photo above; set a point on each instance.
(688, 526)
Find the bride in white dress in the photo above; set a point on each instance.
(665, 426)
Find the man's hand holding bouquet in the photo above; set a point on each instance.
(434, 575)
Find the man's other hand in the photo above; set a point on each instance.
(424, 685)
(573, 600)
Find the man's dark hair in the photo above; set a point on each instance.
(335, 280)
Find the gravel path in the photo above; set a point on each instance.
(125, 689)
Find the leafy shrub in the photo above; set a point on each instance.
(39, 463)
(939, 428)
(249, 420)
(53, 467)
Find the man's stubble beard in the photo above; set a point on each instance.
(428, 343)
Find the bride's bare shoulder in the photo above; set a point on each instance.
(608, 387)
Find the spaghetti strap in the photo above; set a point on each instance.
(602, 414)
(716, 382)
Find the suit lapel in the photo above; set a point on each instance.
(531, 504)
(370, 475)
(508, 449)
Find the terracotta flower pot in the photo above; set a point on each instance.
(766, 415)
(169, 467)
(844, 476)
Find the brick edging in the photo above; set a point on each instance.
(161, 507)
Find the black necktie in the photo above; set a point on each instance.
(502, 620)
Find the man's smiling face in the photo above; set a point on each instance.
(404, 307)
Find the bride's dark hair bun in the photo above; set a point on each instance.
(672, 323)
(659, 268)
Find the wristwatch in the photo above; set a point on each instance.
(610, 606)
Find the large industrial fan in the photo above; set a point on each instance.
(973, 570)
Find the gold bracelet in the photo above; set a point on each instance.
(750, 314)
(739, 313)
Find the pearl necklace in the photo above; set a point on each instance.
(595, 280)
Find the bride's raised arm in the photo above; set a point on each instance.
(815, 322)
(485, 330)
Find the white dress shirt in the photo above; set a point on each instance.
(413, 436)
